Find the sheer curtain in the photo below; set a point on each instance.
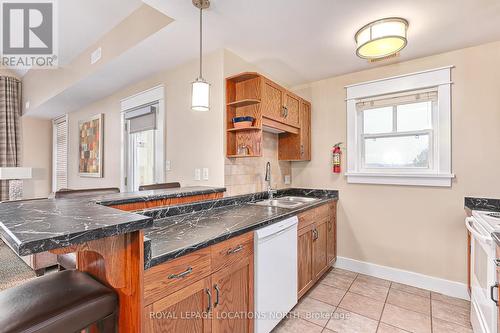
(10, 135)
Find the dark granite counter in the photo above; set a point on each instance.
(42, 225)
(482, 204)
(496, 237)
(142, 196)
(183, 229)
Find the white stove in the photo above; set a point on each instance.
(484, 286)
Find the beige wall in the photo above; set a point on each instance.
(246, 175)
(37, 154)
(419, 229)
(193, 139)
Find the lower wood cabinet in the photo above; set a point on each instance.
(218, 301)
(317, 245)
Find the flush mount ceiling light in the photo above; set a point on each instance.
(381, 38)
(200, 91)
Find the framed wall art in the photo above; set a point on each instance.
(91, 147)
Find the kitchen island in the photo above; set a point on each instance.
(111, 245)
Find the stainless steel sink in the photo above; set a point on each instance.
(286, 202)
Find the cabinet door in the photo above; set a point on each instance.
(332, 234)
(182, 311)
(292, 106)
(305, 131)
(320, 262)
(272, 101)
(304, 255)
(232, 288)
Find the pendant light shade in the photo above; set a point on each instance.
(200, 95)
(200, 90)
(381, 38)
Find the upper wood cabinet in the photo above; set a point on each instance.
(274, 108)
(297, 147)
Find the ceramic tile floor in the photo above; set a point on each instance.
(347, 302)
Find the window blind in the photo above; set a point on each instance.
(397, 99)
(142, 118)
(60, 168)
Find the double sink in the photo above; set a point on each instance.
(289, 202)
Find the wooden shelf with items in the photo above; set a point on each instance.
(274, 109)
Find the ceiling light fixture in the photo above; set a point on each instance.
(381, 38)
(200, 91)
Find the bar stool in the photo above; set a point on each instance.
(67, 301)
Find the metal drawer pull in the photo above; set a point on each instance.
(209, 299)
(217, 292)
(181, 275)
(235, 250)
(492, 288)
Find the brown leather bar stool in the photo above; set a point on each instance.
(160, 186)
(61, 302)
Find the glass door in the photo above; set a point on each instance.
(142, 154)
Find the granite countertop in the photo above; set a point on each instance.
(41, 225)
(482, 204)
(139, 196)
(215, 221)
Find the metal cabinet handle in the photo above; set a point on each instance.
(283, 108)
(286, 112)
(330, 225)
(209, 299)
(181, 275)
(315, 234)
(217, 292)
(235, 250)
(301, 150)
(492, 288)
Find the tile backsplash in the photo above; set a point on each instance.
(246, 174)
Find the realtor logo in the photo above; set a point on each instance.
(28, 34)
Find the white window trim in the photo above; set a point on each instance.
(441, 174)
(155, 94)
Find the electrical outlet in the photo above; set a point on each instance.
(288, 180)
(205, 173)
(168, 165)
(197, 174)
(96, 56)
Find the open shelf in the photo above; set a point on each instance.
(237, 156)
(244, 102)
(251, 128)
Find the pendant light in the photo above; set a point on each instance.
(200, 91)
(382, 38)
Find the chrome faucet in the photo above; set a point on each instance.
(270, 191)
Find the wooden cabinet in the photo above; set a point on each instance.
(316, 248)
(304, 255)
(297, 147)
(183, 311)
(233, 298)
(274, 109)
(331, 242)
(272, 101)
(210, 290)
(291, 108)
(320, 263)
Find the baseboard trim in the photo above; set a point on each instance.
(446, 287)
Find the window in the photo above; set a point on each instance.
(60, 153)
(399, 130)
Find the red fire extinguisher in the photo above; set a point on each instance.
(337, 153)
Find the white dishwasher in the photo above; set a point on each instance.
(275, 267)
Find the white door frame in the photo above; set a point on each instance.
(155, 94)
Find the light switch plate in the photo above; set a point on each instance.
(288, 180)
(168, 165)
(205, 173)
(197, 174)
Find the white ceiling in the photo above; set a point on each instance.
(295, 41)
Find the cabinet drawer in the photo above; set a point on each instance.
(318, 214)
(164, 279)
(232, 251)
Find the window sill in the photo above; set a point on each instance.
(441, 180)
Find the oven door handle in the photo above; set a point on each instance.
(492, 293)
(469, 224)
